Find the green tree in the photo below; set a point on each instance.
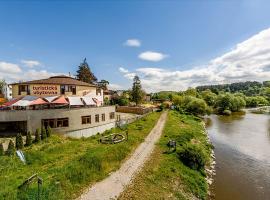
(137, 93)
(2, 84)
(209, 97)
(43, 133)
(49, 131)
(197, 107)
(2, 152)
(19, 141)
(84, 73)
(106, 101)
(104, 84)
(11, 148)
(229, 102)
(191, 92)
(28, 139)
(37, 136)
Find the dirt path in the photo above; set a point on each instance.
(112, 186)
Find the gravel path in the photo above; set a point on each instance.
(112, 186)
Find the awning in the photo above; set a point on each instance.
(60, 100)
(50, 99)
(10, 103)
(89, 101)
(38, 101)
(75, 101)
(25, 101)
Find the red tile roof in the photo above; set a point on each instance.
(58, 80)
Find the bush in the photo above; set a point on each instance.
(227, 112)
(28, 139)
(37, 136)
(19, 141)
(11, 148)
(49, 131)
(2, 152)
(193, 156)
(43, 133)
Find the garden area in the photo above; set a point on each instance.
(67, 166)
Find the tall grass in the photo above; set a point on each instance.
(67, 166)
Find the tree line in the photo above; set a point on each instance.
(220, 99)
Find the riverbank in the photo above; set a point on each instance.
(67, 166)
(165, 176)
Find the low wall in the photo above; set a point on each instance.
(88, 132)
(134, 110)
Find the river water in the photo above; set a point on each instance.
(242, 150)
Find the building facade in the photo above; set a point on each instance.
(76, 122)
(55, 86)
(7, 91)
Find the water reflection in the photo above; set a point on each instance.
(242, 148)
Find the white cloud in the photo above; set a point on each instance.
(36, 74)
(248, 60)
(126, 73)
(12, 72)
(31, 63)
(9, 68)
(123, 70)
(112, 86)
(133, 43)
(152, 56)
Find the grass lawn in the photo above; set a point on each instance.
(67, 166)
(164, 176)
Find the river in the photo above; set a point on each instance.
(242, 150)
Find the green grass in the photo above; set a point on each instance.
(165, 176)
(67, 166)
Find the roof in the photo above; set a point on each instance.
(58, 80)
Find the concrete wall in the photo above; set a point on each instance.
(34, 117)
(90, 131)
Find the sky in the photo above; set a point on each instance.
(170, 45)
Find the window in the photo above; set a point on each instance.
(23, 88)
(111, 115)
(86, 119)
(103, 117)
(55, 123)
(97, 118)
(68, 88)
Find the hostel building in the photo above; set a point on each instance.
(68, 106)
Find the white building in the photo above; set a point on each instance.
(7, 91)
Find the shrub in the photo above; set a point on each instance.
(49, 131)
(11, 148)
(193, 156)
(28, 139)
(37, 136)
(19, 141)
(2, 152)
(43, 133)
(227, 112)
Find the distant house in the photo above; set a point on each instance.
(147, 98)
(7, 92)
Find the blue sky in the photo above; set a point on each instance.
(178, 40)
